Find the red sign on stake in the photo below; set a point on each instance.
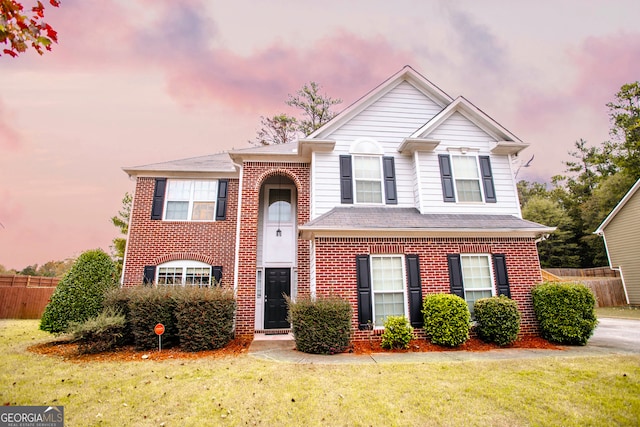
(159, 329)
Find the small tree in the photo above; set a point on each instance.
(278, 129)
(122, 222)
(80, 293)
(316, 108)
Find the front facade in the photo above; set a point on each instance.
(621, 233)
(406, 192)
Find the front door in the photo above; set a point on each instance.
(278, 284)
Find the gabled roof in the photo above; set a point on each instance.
(479, 118)
(406, 74)
(618, 207)
(396, 222)
(213, 164)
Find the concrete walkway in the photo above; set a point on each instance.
(612, 336)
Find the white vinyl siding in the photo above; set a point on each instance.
(454, 133)
(389, 120)
(388, 287)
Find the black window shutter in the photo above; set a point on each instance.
(158, 198)
(217, 273)
(221, 205)
(389, 170)
(346, 180)
(365, 311)
(415, 291)
(502, 280)
(446, 176)
(455, 275)
(149, 274)
(487, 179)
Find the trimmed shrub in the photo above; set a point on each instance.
(78, 297)
(446, 319)
(498, 319)
(205, 318)
(397, 333)
(101, 333)
(321, 326)
(565, 311)
(118, 300)
(147, 308)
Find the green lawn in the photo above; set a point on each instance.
(619, 312)
(586, 391)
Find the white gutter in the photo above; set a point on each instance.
(236, 263)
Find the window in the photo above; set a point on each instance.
(367, 173)
(467, 178)
(476, 278)
(184, 273)
(388, 286)
(188, 200)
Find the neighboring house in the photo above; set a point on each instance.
(407, 192)
(621, 233)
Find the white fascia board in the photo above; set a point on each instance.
(180, 174)
(308, 233)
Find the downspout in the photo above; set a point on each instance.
(236, 263)
(618, 269)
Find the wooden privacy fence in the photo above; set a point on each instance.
(25, 297)
(605, 283)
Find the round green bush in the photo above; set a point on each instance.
(565, 311)
(78, 296)
(446, 319)
(397, 333)
(497, 319)
(321, 326)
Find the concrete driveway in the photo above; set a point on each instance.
(617, 336)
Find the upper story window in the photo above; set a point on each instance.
(366, 176)
(190, 200)
(466, 178)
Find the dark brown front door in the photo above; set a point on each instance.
(278, 284)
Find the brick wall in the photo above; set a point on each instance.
(254, 175)
(152, 242)
(336, 267)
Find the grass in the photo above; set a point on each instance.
(580, 391)
(626, 312)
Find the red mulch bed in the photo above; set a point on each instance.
(472, 344)
(69, 351)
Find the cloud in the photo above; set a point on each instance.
(10, 138)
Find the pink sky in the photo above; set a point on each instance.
(142, 81)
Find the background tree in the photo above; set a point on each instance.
(278, 129)
(282, 128)
(18, 30)
(122, 222)
(315, 107)
(624, 113)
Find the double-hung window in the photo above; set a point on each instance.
(467, 178)
(190, 200)
(476, 278)
(388, 286)
(367, 174)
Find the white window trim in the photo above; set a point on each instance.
(463, 153)
(491, 274)
(184, 264)
(380, 180)
(404, 286)
(190, 201)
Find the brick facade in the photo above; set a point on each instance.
(253, 177)
(336, 267)
(152, 242)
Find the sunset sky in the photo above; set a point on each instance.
(133, 82)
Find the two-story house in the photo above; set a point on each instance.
(406, 192)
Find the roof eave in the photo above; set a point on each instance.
(308, 233)
(619, 206)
